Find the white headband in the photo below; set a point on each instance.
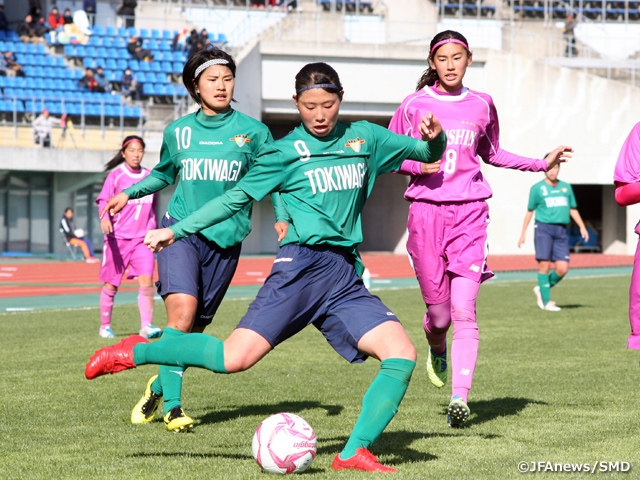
(208, 63)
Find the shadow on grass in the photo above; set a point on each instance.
(574, 306)
(488, 410)
(267, 410)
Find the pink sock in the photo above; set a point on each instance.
(464, 347)
(145, 305)
(436, 325)
(106, 306)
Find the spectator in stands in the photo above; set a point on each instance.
(28, 29)
(191, 41)
(13, 67)
(68, 17)
(102, 80)
(55, 18)
(127, 11)
(75, 236)
(90, 82)
(180, 40)
(134, 47)
(204, 38)
(89, 7)
(35, 9)
(42, 128)
(567, 31)
(130, 86)
(4, 23)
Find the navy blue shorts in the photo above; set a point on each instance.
(319, 286)
(197, 267)
(551, 242)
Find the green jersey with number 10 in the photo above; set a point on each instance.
(208, 155)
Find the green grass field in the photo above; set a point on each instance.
(554, 387)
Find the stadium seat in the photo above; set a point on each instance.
(144, 67)
(144, 33)
(94, 41)
(98, 31)
(111, 32)
(165, 45)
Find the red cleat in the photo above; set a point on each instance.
(113, 359)
(363, 460)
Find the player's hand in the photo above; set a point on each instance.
(429, 127)
(281, 228)
(106, 226)
(521, 241)
(429, 168)
(584, 233)
(156, 240)
(115, 204)
(559, 155)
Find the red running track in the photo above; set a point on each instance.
(22, 279)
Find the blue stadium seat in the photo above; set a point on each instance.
(101, 53)
(60, 62)
(92, 110)
(73, 108)
(166, 67)
(69, 85)
(111, 111)
(30, 82)
(40, 60)
(110, 64)
(144, 67)
(112, 53)
(26, 59)
(178, 67)
(49, 61)
(155, 66)
(58, 84)
(131, 31)
(111, 32)
(91, 51)
(152, 45)
(121, 63)
(148, 89)
(144, 33)
(165, 45)
(157, 34)
(132, 112)
(122, 32)
(39, 83)
(99, 31)
(134, 65)
(94, 41)
(168, 35)
(120, 42)
(107, 42)
(81, 51)
(30, 48)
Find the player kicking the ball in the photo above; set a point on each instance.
(315, 278)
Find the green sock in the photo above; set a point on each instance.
(379, 404)
(193, 350)
(169, 381)
(545, 289)
(554, 279)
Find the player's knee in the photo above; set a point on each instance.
(562, 271)
(235, 364)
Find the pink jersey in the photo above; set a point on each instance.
(138, 216)
(628, 164)
(470, 122)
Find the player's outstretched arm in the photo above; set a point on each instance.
(157, 239)
(559, 155)
(115, 204)
(430, 127)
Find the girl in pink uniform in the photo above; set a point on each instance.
(448, 216)
(124, 235)
(627, 181)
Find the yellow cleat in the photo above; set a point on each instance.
(177, 421)
(145, 409)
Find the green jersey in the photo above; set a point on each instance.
(552, 204)
(323, 181)
(208, 155)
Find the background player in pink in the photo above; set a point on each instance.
(448, 216)
(627, 181)
(123, 238)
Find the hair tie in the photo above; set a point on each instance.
(317, 85)
(208, 63)
(448, 40)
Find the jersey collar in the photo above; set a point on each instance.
(213, 120)
(445, 96)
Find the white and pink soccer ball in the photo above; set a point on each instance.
(284, 443)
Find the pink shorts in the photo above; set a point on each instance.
(119, 253)
(448, 237)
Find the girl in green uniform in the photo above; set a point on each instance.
(324, 171)
(208, 152)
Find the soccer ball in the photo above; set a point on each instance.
(284, 443)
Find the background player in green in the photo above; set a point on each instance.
(554, 205)
(324, 171)
(208, 151)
